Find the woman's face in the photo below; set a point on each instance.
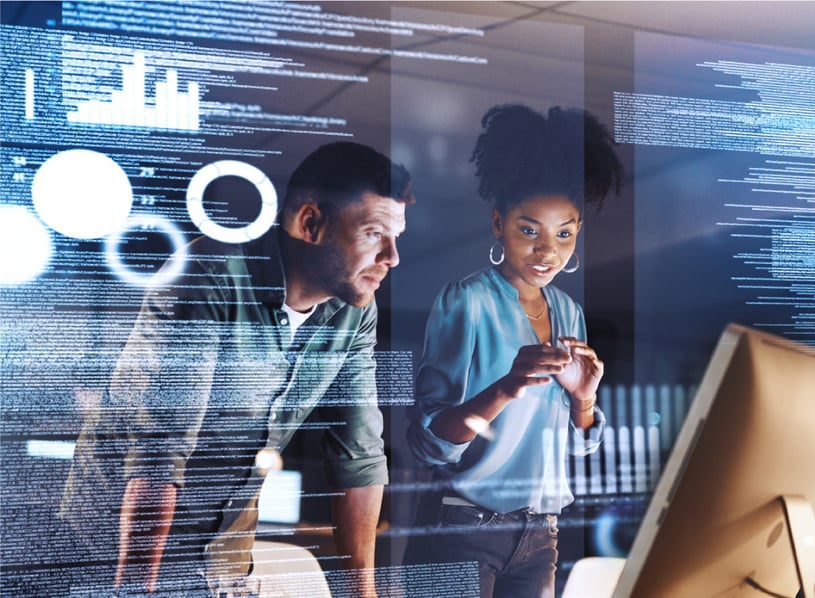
(539, 236)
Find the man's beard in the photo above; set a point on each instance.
(331, 270)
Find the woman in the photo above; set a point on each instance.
(507, 377)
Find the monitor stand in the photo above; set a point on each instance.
(800, 520)
(597, 576)
(801, 526)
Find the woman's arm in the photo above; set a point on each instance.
(580, 378)
(532, 366)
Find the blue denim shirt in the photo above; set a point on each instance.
(474, 331)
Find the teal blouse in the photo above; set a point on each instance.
(473, 334)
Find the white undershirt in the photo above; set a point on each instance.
(296, 318)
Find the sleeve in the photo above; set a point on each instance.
(353, 447)
(585, 442)
(442, 377)
(162, 381)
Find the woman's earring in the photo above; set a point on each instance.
(572, 269)
(496, 260)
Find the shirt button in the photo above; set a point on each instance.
(284, 321)
(229, 503)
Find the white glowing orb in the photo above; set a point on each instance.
(82, 194)
(210, 172)
(25, 245)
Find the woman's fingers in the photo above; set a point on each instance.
(574, 363)
(578, 347)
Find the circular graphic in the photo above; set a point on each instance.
(172, 267)
(25, 245)
(210, 172)
(82, 194)
(616, 525)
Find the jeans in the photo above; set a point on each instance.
(516, 552)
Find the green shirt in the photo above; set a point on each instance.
(210, 376)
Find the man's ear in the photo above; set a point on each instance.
(308, 224)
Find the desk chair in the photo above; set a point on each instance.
(593, 577)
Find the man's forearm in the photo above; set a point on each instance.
(356, 514)
(144, 524)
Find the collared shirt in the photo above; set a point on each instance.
(209, 377)
(474, 332)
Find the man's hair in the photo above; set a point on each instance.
(339, 173)
(521, 153)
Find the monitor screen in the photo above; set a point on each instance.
(716, 525)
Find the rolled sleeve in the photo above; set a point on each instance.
(163, 395)
(430, 448)
(441, 381)
(586, 442)
(162, 383)
(353, 448)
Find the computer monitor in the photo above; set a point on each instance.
(732, 514)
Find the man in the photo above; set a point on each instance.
(225, 364)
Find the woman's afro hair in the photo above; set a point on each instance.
(521, 153)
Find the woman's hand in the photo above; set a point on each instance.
(534, 365)
(576, 367)
(581, 376)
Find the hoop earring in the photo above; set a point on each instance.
(493, 260)
(575, 268)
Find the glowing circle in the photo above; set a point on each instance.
(25, 245)
(171, 269)
(210, 172)
(82, 194)
(604, 536)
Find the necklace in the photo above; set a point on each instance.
(539, 316)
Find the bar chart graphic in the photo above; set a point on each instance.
(131, 106)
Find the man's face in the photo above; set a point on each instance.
(359, 247)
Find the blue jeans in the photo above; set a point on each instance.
(516, 552)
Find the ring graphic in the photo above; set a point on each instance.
(172, 267)
(215, 170)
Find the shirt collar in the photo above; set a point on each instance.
(265, 267)
(502, 284)
(268, 275)
(509, 291)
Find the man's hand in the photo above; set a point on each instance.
(355, 514)
(144, 524)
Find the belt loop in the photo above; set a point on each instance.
(551, 519)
